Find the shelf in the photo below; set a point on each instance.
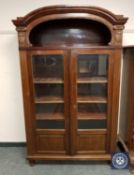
(50, 116)
(91, 116)
(91, 99)
(91, 131)
(51, 99)
(50, 131)
(92, 80)
(48, 80)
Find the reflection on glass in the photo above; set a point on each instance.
(47, 66)
(90, 65)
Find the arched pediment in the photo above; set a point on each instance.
(113, 23)
(101, 12)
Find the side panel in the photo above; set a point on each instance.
(27, 103)
(115, 98)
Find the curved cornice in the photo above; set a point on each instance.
(30, 17)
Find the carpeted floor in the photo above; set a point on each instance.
(13, 162)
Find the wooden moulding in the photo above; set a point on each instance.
(112, 18)
(66, 157)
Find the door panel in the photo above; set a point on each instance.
(50, 144)
(91, 143)
(48, 70)
(91, 99)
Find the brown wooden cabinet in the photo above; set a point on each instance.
(126, 124)
(70, 65)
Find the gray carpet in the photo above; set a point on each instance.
(13, 162)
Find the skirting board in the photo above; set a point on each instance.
(12, 144)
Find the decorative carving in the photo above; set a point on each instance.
(118, 34)
(22, 38)
(118, 37)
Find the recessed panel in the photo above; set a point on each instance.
(50, 143)
(91, 143)
(70, 31)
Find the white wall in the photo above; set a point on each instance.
(11, 106)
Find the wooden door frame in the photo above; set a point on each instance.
(113, 94)
(66, 92)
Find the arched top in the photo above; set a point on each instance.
(97, 11)
(107, 26)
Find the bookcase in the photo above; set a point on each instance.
(70, 66)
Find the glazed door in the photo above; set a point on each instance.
(91, 86)
(50, 109)
(72, 101)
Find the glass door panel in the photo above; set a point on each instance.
(49, 111)
(50, 124)
(48, 68)
(92, 66)
(92, 111)
(48, 83)
(93, 124)
(50, 108)
(92, 91)
(49, 93)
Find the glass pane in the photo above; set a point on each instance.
(49, 108)
(92, 89)
(92, 85)
(48, 83)
(92, 108)
(47, 66)
(92, 65)
(48, 124)
(49, 90)
(92, 124)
